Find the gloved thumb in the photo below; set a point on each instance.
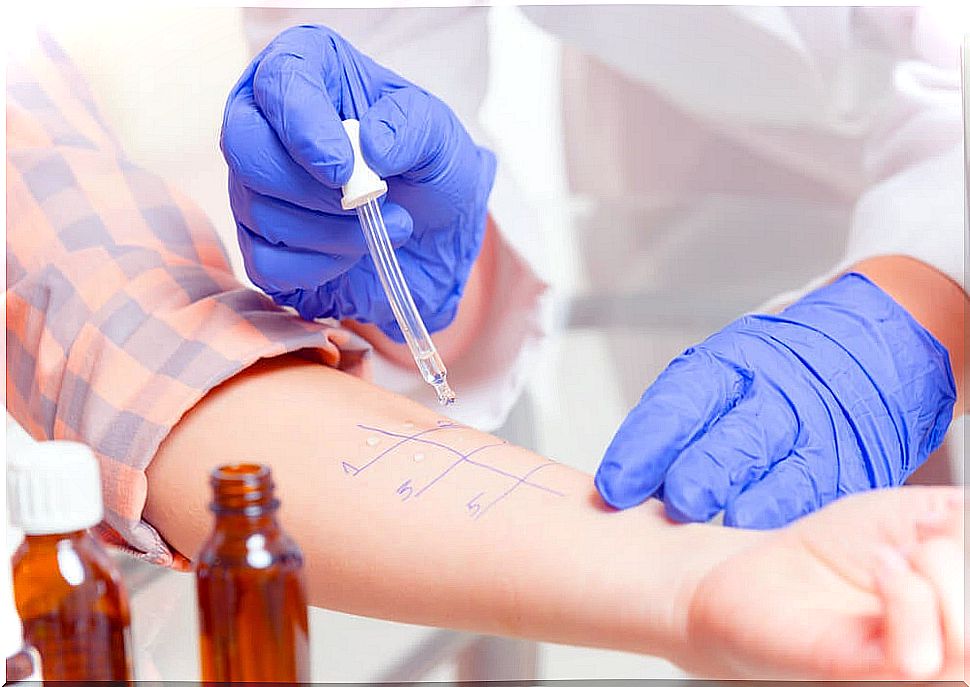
(409, 133)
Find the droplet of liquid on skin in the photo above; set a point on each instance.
(418, 457)
(373, 441)
(408, 425)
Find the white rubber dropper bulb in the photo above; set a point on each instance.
(364, 184)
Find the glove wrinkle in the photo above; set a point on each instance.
(742, 380)
(850, 418)
(288, 154)
(842, 392)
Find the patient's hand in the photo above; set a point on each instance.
(870, 587)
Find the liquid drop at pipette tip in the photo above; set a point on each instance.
(373, 441)
(445, 395)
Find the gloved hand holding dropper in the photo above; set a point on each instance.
(288, 156)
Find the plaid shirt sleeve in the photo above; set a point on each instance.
(122, 311)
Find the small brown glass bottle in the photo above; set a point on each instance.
(68, 592)
(23, 661)
(249, 579)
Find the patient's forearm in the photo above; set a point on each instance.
(448, 527)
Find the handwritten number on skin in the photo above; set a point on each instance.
(474, 507)
(405, 490)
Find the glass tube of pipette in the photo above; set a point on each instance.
(416, 335)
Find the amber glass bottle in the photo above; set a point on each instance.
(23, 661)
(68, 592)
(249, 579)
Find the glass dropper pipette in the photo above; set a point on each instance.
(361, 193)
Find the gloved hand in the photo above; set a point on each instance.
(288, 156)
(776, 415)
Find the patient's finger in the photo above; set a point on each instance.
(940, 561)
(911, 629)
(944, 514)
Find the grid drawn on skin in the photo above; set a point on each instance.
(519, 482)
(408, 490)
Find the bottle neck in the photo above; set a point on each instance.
(41, 541)
(38, 547)
(243, 492)
(246, 523)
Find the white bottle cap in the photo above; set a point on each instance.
(364, 184)
(54, 487)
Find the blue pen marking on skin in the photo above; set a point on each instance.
(474, 507)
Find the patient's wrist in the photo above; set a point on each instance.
(643, 572)
(700, 549)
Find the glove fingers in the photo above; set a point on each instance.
(295, 86)
(681, 405)
(738, 450)
(408, 133)
(279, 269)
(786, 493)
(282, 223)
(259, 161)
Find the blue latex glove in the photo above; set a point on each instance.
(288, 156)
(775, 416)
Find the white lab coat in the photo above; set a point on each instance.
(762, 141)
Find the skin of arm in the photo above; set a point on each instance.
(933, 299)
(454, 340)
(471, 533)
(549, 562)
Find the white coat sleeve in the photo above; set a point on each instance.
(915, 199)
(914, 204)
(884, 81)
(445, 50)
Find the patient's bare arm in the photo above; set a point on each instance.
(404, 515)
